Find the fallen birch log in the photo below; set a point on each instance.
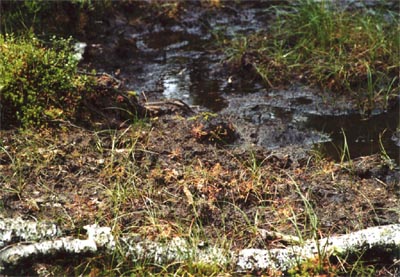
(176, 250)
(17, 229)
(383, 238)
(26, 237)
(25, 240)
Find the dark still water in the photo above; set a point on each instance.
(376, 134)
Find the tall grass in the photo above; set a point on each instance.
(311, 227)
(320, 44)
(37, 15)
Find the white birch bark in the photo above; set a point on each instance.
(29, 239)
(21, 240)
(380, 237)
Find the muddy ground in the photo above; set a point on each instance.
(174, 170)
(184, 175)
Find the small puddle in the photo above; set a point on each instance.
(363, 136)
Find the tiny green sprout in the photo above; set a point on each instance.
(132, 93)
(204, 115)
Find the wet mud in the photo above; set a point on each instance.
(177, 58)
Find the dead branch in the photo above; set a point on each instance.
(168, 106)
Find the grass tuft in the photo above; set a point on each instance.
(319, 44)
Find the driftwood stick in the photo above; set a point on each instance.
(155, 106)
(274, 235)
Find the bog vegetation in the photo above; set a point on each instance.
(320, 44)
(40, 82)
(140, 179)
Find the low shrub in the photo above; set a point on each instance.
(39, 82)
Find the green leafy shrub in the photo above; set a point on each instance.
(38, 82)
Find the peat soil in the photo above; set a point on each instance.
(173, 175)
(174, 170)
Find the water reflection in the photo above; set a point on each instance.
(363, 136)
(177, 86)
(193, 84)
